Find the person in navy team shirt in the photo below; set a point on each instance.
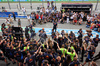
(89, 33)
(55, 26)
(80, 32)
(75, 62)
(31, 59)
(90, 53)
(96, 40)
(26, 32)
(87, 39)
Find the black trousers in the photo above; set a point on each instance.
(54, 28)
(82, 54)
(15, 18)
(80, 42)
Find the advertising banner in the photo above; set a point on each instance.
(76, 0)
(43, 0)
(48, 0)
(62, 0)
(6, 0)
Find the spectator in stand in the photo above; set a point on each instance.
(55, 9)
(14, 16)
(43, 10)
(48, 4)
(88, 24)
(10, 19)
(33, 16)
(63, 10)
(68, 18)
(80, 21)
(96, 27)
(19, 23)
(33, 23)
(37, 17)
(8, 22)
(28, 18)
(75, 21)
(51, 3)
(24, 10)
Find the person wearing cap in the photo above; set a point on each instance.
(60, 40)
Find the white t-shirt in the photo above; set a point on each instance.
(23, 9)
(88, 18)
(28, 17)
(72, 17)
(41, 10)
(7, 21)
(47, 10)
(82, 15)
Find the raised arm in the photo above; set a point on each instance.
(58, 46)
(37, 50)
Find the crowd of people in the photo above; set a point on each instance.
(59, 49)
(50, 14)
